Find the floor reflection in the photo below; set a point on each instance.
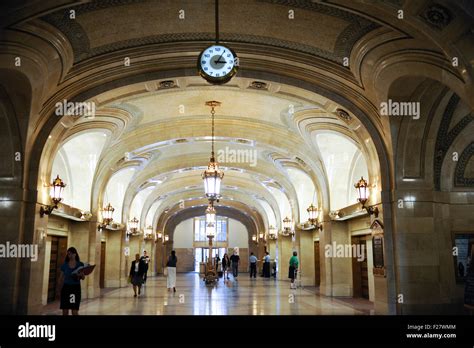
(243, 297)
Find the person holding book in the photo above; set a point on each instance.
(136, 274)
(71, 276)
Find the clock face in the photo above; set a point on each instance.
(217, 64)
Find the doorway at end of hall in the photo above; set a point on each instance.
(201, 255)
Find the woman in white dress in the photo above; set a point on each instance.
(171, 278)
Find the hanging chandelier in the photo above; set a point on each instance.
(210, 220)
(212, 176)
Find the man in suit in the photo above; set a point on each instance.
(146, 260)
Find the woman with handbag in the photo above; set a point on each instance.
(293, 269)
(136, 274)
(171, 270)
(225, 266)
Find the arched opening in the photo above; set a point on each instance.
(298, 124)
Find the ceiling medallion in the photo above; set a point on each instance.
(436, 16)
(343, 114)
(258, 85)
(167, 84)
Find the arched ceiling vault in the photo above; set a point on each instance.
(233, 212)
(189, 198)
(199, 206)
(240, 176)
(164, 135)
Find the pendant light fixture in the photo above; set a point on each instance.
(212, 176)
(210, 220)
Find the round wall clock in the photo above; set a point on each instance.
(217, 64)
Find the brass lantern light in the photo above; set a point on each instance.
(272, 233)
(166, 239)
(313, 213)
(212, 176)
(211, 223)
(107, 216)
(210, 220)
(362, 191)
(288, 227)
(363, 195)
(133, 226)
(254, 239)
(148, 233)
(56, 194)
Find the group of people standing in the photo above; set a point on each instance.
(233, 263)
(266, 265)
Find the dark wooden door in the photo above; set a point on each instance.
(58, 254)
(360, 274)
(317, 270)
(102, 265)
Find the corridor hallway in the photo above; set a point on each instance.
(243, 297)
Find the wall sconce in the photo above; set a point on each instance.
(107, 216)
(261, 235)
(272, 233)
(148, 233)
(166, 239)
(159, 236)
(254, 239)
(313, 213)
(57, 188)
(363, 193)
(287, 227)
(133, 227)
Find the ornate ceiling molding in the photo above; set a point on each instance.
(357, 27)
(459, 179)
(446, 137)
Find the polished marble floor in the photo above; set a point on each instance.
(243, 297)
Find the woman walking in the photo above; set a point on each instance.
(293, 270)
(171, 264)
(71, 289)
(225, 266)
(136, 274)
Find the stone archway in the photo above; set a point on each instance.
(372, 129)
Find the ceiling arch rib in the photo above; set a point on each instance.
(186, 198)
(77, 160)
(318, 103)
(200, 206)
(233, 185)
(283, 141)
(173, 180)
(227, 211)
(204, 156)
(148, 214)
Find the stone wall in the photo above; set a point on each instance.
(185, 259)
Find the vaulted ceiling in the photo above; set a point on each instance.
(154, 132)
(157, 143)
